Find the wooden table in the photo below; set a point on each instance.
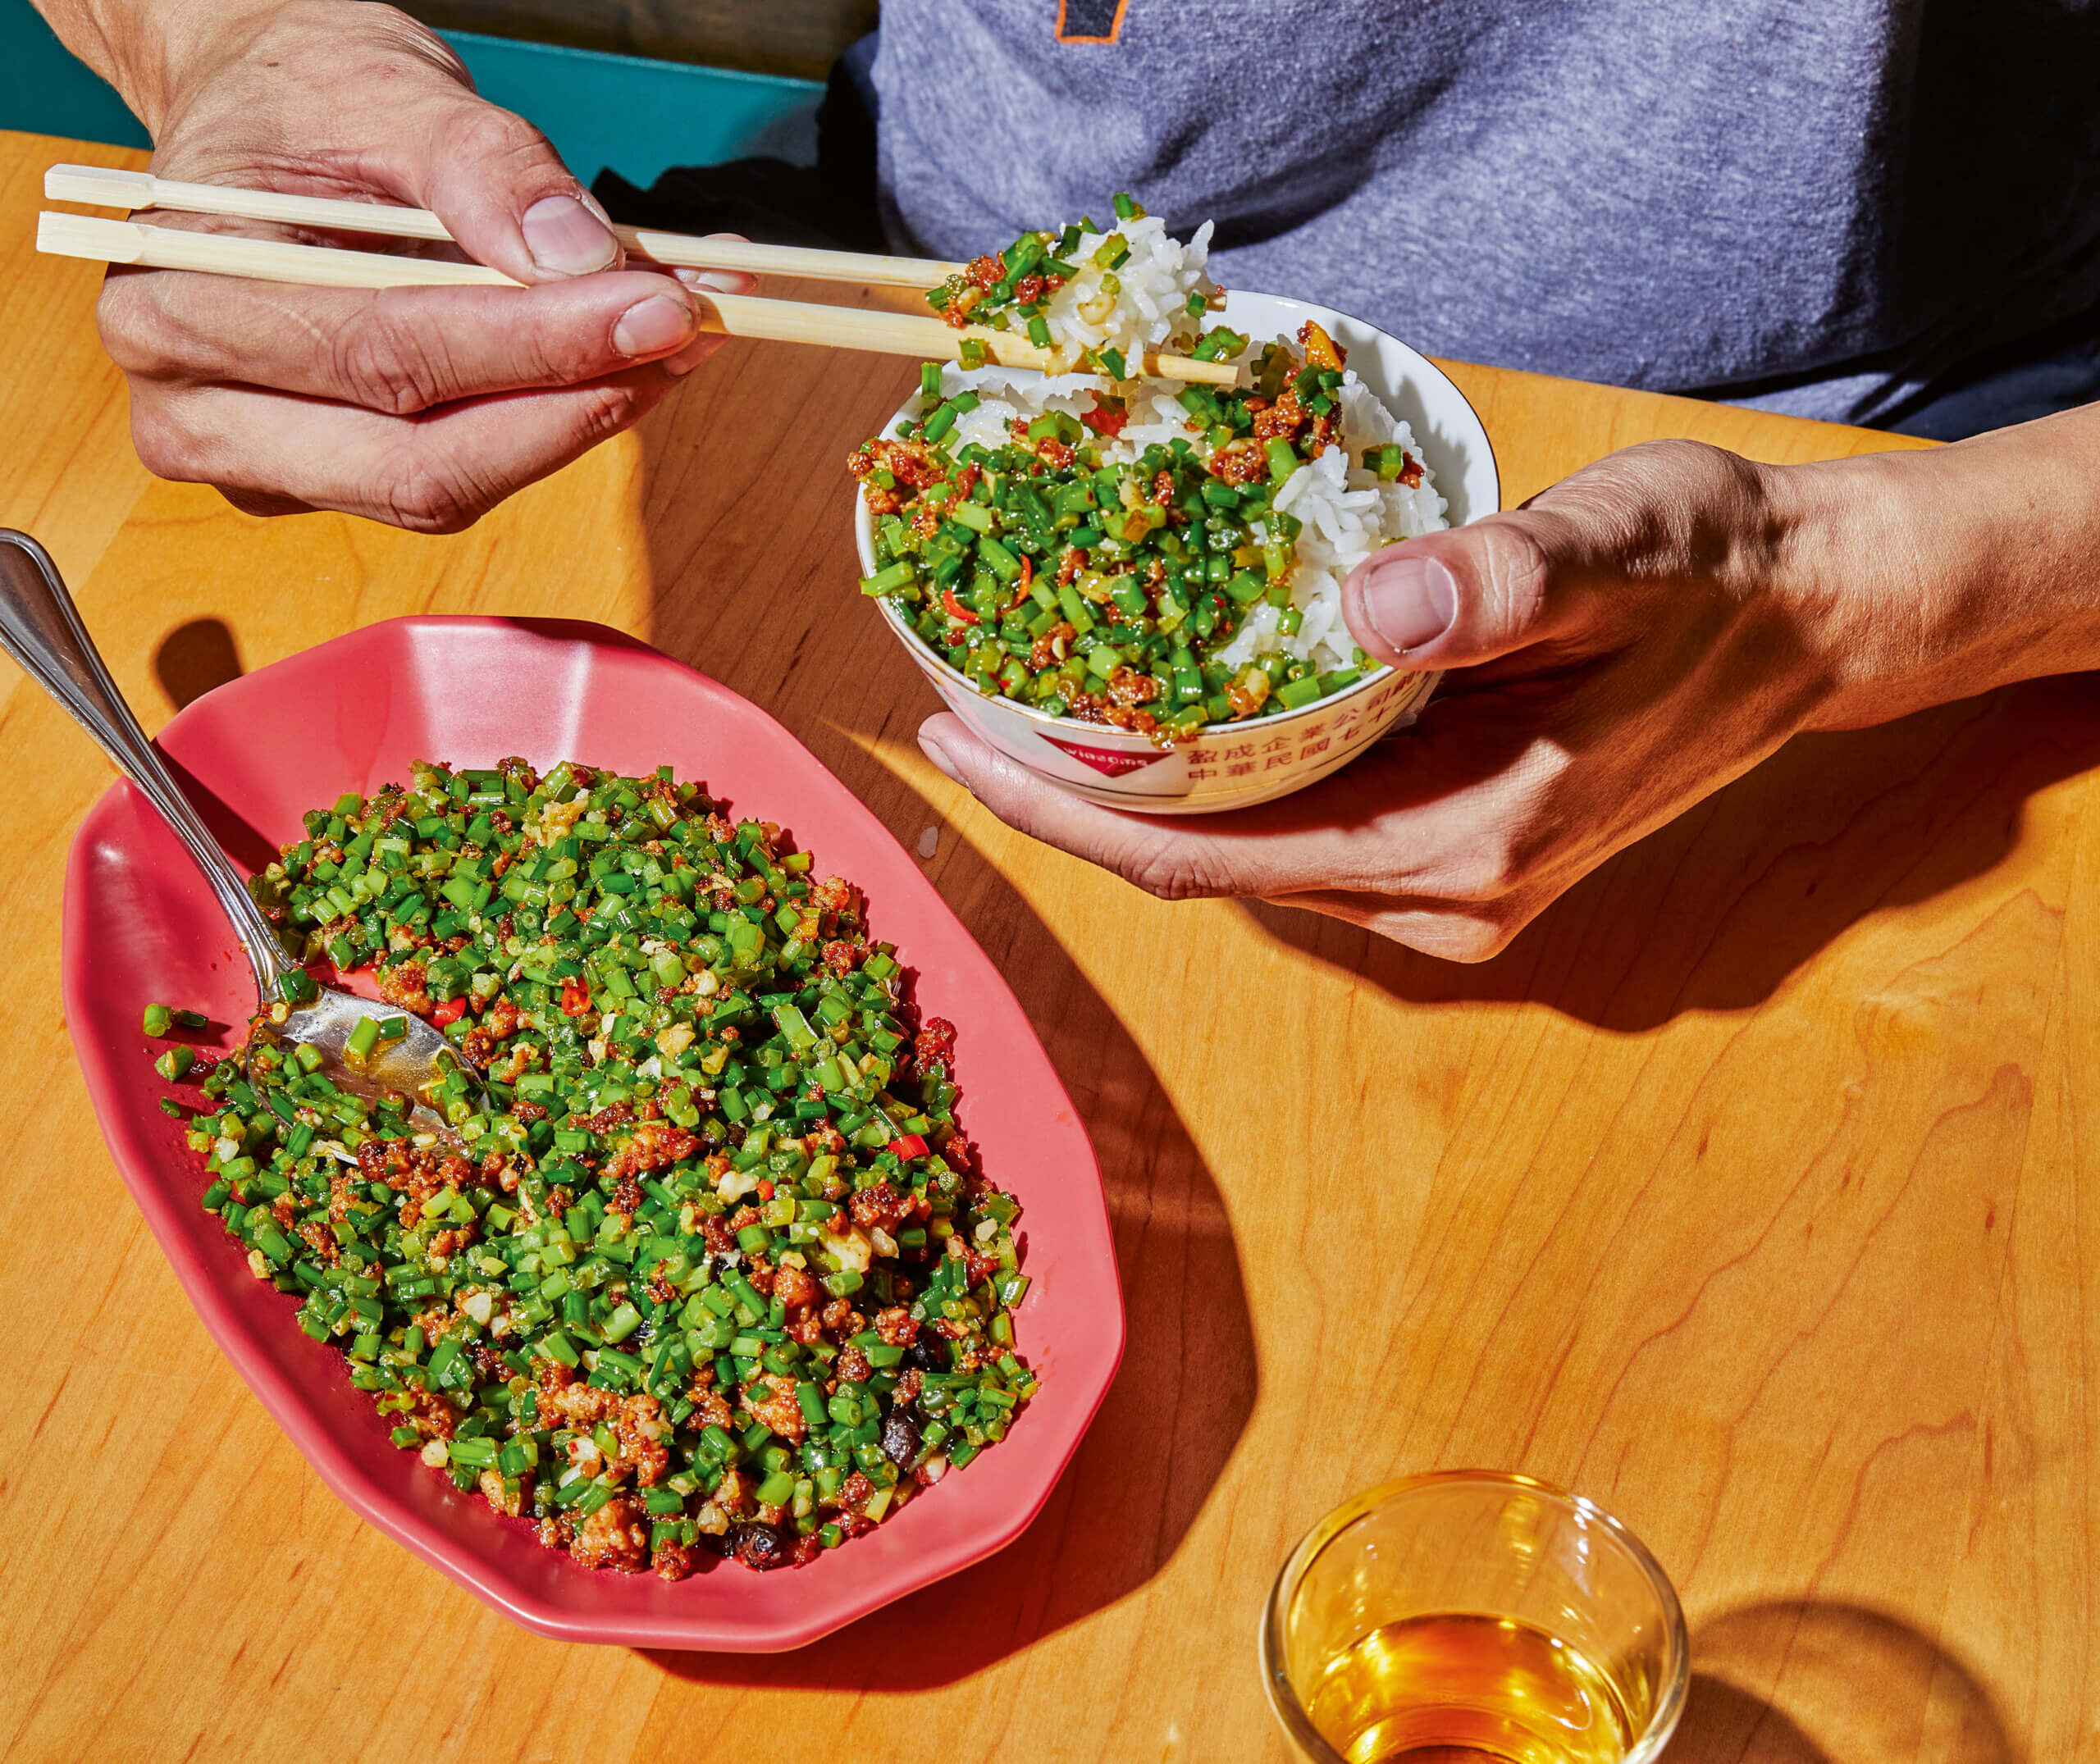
(1742, 1193)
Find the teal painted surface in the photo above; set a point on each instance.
(44, 91)
(636, 116)
(639, 117)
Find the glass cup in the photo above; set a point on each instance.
(1474, 1617)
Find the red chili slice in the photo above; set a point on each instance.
(908, 1146)
(1107, 422)
(575, 998)
(451, 1011)
(956, 610)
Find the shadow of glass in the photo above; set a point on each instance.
(1724, 1725)
(1813, 1682)
(1715, 911)
(195, 657)
(754, 581)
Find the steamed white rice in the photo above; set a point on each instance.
(1346, 513)
(1149, 309)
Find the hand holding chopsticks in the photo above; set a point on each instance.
(315, 266)
(423, 409)
(101, 187)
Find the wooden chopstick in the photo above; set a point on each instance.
(102, 241)
(101, 187)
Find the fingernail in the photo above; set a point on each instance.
(565, 237)
(650, 327)
(941, 761)
(1410, 601)
(678, 366)
(718, 281)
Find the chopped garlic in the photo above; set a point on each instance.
(555, 821)
(853, 1250)
(733, 1185)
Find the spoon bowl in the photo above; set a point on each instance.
(406, 1066)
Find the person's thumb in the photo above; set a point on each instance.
(1455, 599)
(503, 193)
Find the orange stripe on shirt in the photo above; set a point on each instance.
(1115, 24)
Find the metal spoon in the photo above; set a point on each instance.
(41, 628)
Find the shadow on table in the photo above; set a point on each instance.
(191, 660)
(1853, 1687)
(1718, 909)
(1188, 1376)
(194, 658)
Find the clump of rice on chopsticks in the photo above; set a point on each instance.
(1099, 299)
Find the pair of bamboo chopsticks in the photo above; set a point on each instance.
(316, 266)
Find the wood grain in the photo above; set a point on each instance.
(1743, 1193)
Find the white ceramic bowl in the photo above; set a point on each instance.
(1232, 765)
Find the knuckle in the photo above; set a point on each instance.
(1698, 460)
(426, 492)
(397, 54)
(1497, 861)
(1516, 571)
(602, 411)
(386, 364)
(1467, 938)
(393, 27)
(165, 446)
(1688, 475)
(264, 503)
(1484, 875)
(542, 352)
(138, 332)
(1663, 506)
(489, 137)
(424, 498)
(1450, 936)
(1172, 867)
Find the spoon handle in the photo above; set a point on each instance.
(41, 628)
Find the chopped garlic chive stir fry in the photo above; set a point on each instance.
(712, 1267)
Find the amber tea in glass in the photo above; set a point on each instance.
(1473, 1617)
